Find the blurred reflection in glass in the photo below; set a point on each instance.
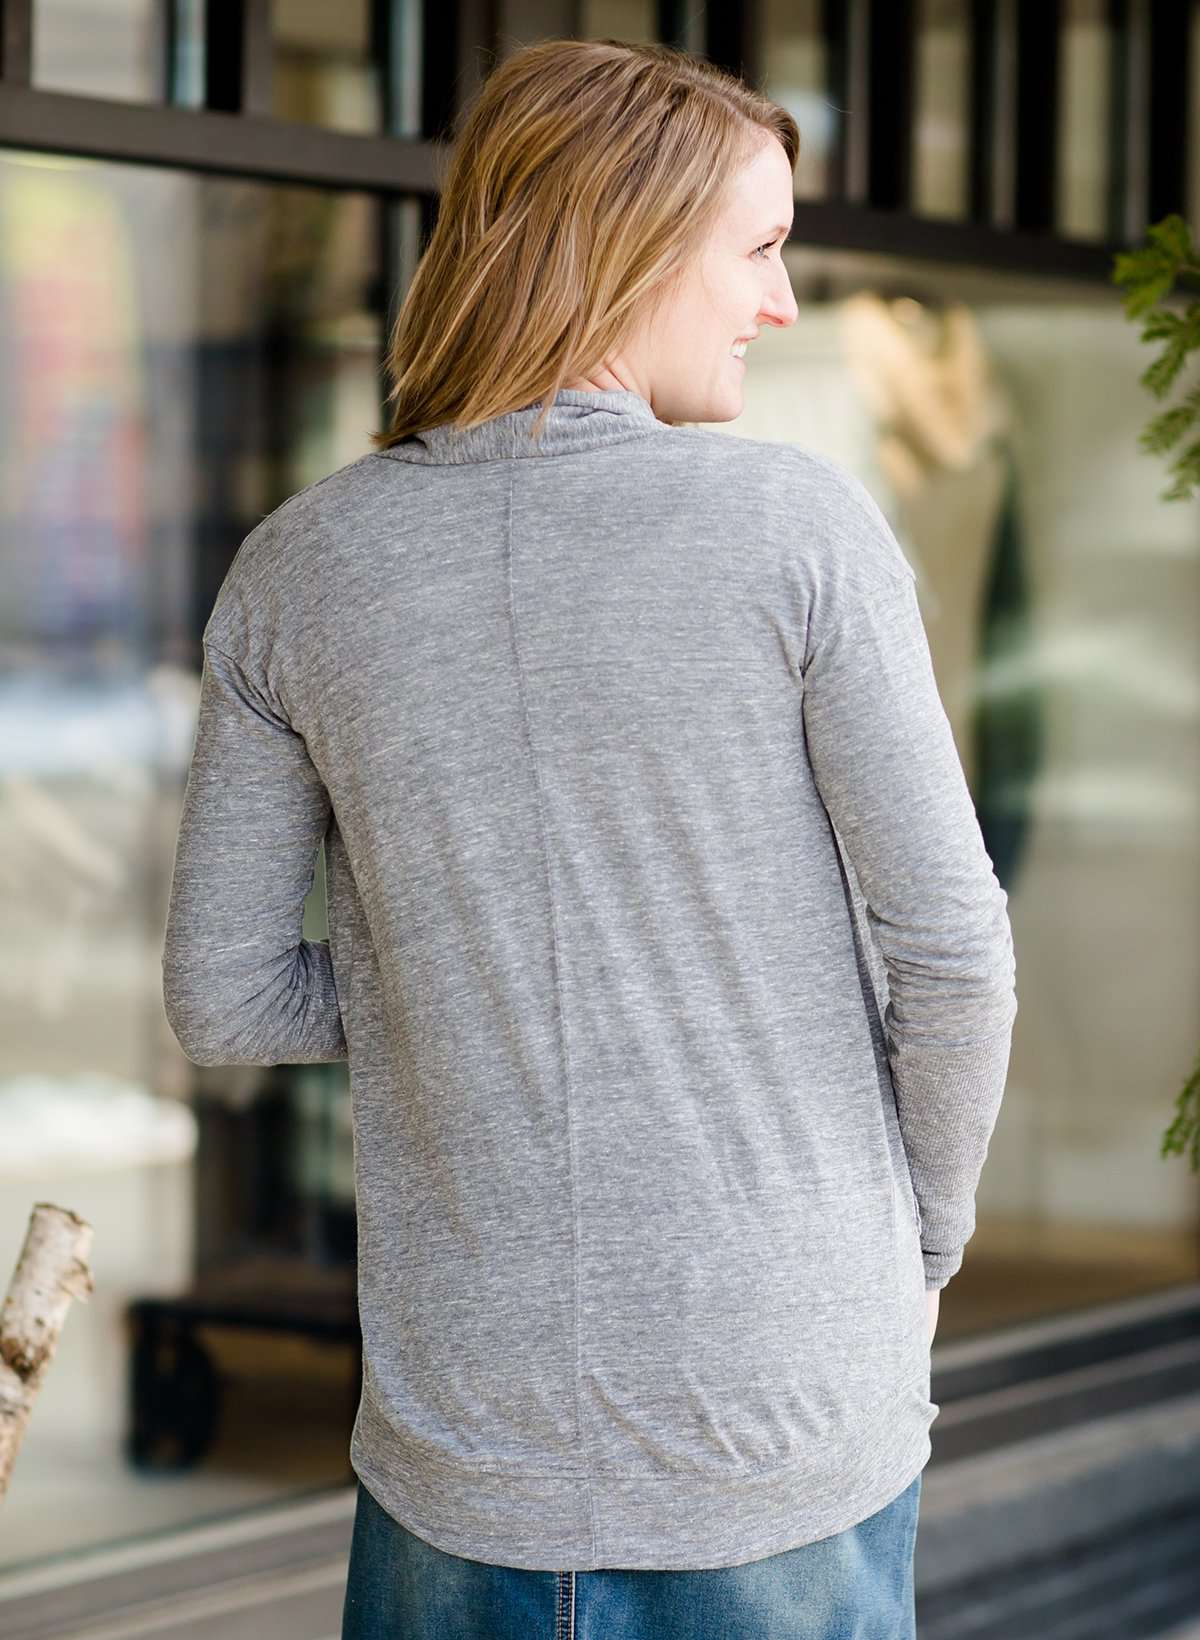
(177, 356)
(942, 67)
(103, 48)
(323, 68)
(1084, 117)
(796, 74)
(635, 20)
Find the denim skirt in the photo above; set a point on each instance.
(855, 1585)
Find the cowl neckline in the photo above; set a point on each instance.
(579, 419)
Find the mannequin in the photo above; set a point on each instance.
(941, 420)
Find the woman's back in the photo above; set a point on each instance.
(614, 737)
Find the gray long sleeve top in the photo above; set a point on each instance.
(675, 982)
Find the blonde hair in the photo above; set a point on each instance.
(585, 178)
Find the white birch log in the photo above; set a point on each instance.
(51, 1271)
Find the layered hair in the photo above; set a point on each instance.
(585, 178)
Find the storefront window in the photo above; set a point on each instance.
(1085, 117)
(796, 74)
(324, 70)
(632, 20)
(178, 354)
(104, 48)
(942, 108)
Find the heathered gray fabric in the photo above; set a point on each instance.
(675, 981)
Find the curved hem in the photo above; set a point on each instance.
(654, 1522)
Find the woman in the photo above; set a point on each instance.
(613, 727)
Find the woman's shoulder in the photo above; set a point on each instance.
(793, 490)
(768, 461)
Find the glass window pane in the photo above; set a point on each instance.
(795, 75)
(1084, 116)
(633, 20)
(178, 354)
(942, 109)
(102, 48)
(324, 67)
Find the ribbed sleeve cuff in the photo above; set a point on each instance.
(939, 1267)
(948, 1097)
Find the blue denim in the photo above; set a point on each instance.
(855, 1585)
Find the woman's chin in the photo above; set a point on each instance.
(728, 403)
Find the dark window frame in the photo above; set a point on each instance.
(233, 135)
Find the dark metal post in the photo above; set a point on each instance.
(237, 57)
(16, 41)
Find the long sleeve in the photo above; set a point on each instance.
(888, 772)
(240, 984)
